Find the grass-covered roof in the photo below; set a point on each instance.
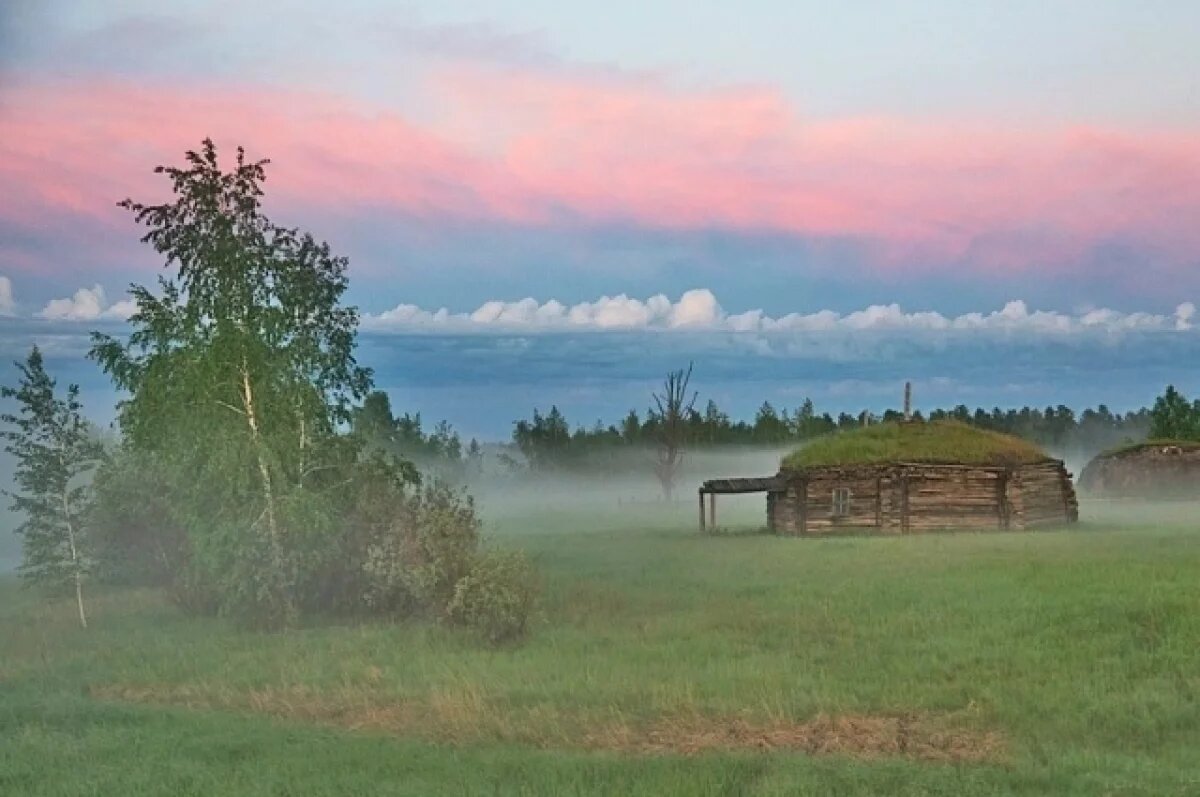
(1161, 442)
(941, 442)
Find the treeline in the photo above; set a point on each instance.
(439, 452)
(547, 441)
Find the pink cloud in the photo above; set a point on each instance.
(538, 149)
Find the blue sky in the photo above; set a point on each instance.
(862, 169)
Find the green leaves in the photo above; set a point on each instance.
(241, 379)
(55, 451)
(240, 370)
(1174, 417)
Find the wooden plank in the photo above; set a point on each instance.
(879, 502)
(743, 485)
(802, 496)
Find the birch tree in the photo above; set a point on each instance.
(240, 367)
(54, 451)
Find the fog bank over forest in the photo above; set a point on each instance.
(601, 474)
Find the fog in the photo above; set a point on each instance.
(10, 544)
(627, 495)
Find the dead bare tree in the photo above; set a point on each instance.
(672, 413)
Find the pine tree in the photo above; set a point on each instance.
(1174, 418)
(54, 450)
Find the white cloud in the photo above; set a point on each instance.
(1184, 314)
(88, 304)
(8, 305)
(699, 309)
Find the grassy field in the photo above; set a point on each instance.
(1063, 663)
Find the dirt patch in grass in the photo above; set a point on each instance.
(858, 736)
(465, 717)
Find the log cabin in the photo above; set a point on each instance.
(911, 477)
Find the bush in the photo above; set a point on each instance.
(497, 597)
(415, 562)
(136, 537)
(192, 593)
(362, 537)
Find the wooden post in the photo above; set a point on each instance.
(802, 505)
(1002, 489)
(712, 509)
(703, 526)
(879, 502)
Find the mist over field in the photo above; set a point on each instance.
(625, 491)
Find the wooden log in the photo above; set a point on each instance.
(802, 509)
(879, 502)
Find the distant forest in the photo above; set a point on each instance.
(549, 441)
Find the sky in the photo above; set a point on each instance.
(556, 202)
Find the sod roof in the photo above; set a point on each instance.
(937, 442)
(1162, 442)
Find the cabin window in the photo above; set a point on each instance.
(841, 502)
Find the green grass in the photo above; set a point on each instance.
(1079, 648)
(933, 442)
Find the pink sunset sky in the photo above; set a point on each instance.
(393, 131)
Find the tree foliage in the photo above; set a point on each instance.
(55, 450)
(439, 452)
(1174, 417)
(239, 370)
(135, 534)
(275, 493)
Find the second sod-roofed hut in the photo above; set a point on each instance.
(912, 477)
(1157, 469)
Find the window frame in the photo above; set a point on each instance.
(840, 503)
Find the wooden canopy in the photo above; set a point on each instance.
(766, 484)
(714, 487)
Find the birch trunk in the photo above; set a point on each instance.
(74, 560)
(264, 469)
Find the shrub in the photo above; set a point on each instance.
(497, 597)
(415, 562)
(362, 536)
(136, 537)
(192, 593)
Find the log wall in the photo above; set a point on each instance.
(1042, 495)
(913, 498)
(1152, 471)
(954, 498)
